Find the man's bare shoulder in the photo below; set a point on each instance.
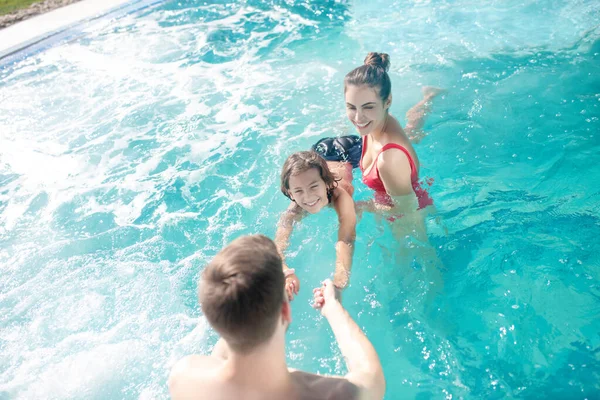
(195, 363)
(318, 387)
(192, 373)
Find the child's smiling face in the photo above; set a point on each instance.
(309, 190)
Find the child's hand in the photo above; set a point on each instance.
(292, 283)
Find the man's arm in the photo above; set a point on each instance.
(364, 367)
(186, 379)
(176, 377)
(344, 248)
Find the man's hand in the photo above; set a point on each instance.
(292, 283)
(325, 296)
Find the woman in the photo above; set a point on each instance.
(389, 163)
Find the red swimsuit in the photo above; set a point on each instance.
(373, 180)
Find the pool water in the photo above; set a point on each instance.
(132, 152)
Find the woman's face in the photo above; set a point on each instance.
(365, 109)
(309, 190)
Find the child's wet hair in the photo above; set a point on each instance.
(302, 161)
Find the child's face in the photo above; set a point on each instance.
(308, 190)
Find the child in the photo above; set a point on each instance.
(307, 180)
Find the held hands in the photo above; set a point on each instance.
(325, 296)
(328, 291)
(292, 283)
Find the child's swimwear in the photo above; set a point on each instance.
(343, 149)
(372, 179)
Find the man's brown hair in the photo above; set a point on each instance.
(242, 290)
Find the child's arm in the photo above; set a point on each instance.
(344, 248)
(282, 240)
(284, 229)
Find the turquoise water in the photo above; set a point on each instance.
(132, 153)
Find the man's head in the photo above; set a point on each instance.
(242, 292)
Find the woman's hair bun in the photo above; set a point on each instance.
(378, 60)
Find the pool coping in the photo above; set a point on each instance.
(38, 31)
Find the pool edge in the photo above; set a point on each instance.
(60, 21)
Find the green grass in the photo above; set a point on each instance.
(8, 6)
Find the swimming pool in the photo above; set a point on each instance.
(130, 154)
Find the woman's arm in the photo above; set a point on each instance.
(344, 248)
(395, 173)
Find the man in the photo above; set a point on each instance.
(243, 297)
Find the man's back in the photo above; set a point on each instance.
(204, 377)
(317, 387)
(242, 295)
